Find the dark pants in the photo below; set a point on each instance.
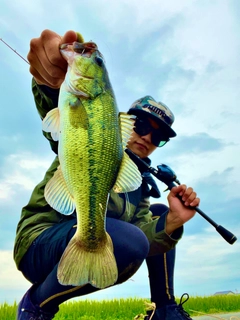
(40, 263)
(161, 270)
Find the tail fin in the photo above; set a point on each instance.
(78, 266)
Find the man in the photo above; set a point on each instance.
(43, 233)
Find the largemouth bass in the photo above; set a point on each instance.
(92, 138)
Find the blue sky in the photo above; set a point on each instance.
(184, 53)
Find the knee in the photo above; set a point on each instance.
(134, 251)
(128, 240)
(158, 209)
(134, 245)
(138, 244)
(128, 272)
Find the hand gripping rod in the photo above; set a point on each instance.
(167, 175)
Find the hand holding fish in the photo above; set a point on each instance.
(180, 211)
(47, 65)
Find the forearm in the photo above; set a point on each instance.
(172, 223)
(46, 99)
(155, 229)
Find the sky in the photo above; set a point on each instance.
(185, 53)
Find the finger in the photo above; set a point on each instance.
(43, 73)
(195, 202)
(69, 37)
(189, 199)
(52, 57)
(189, 195)
(53, 83)
(182, 189)
(58, 65)
(187, 192)
(178, 190)
(46, 63)
(52, 44)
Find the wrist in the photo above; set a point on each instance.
(172, 223)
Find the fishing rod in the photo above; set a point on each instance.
(165, 174)
(13, 50)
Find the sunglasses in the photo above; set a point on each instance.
(143, 127)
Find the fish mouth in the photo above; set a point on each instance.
(79, 47)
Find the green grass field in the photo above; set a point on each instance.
(127, 309)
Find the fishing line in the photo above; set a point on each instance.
(14, 50)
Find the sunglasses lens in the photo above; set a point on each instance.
(143, 127)
(160, 143)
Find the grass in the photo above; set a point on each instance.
(122, 309)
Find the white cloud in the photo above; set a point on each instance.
(206, 259)
(12, 283)
(203, 53)
(136, 84)
(196, 41)
(146, 17)
(22, 170)
(199, 54)
(10, 277)
(5, 190)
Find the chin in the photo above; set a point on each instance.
(139, 153)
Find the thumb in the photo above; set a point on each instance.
(175, 191)
(71, 36)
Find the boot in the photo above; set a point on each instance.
(28, 311)
(170, 312)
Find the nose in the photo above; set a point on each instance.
(99, 60)
(147, 137)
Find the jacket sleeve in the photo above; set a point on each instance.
(46, 99)
(154, 229)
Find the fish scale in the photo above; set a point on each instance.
(92, 137)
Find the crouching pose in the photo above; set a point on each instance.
(138, 230)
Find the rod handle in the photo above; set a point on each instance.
(226, 234)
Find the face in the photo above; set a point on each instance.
(142, 145)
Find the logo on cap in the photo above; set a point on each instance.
(160, 109)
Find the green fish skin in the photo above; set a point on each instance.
(92, 137)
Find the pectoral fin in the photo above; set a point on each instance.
(57, 194)
(129, 177)
(126, 125)
(51, 123)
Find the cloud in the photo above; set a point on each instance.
(12, 284)
(207, 43)
(176, 52)
(19, 173)
(9, 277)
(22, 170)
(198, 143)
(207, 258)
